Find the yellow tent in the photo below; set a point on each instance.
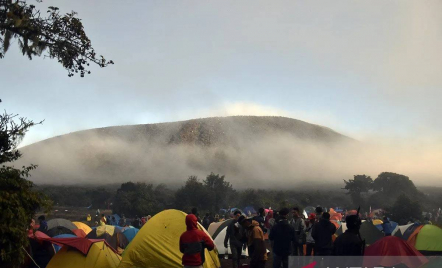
(377, 222)
(157, 243)
(99, 256)
(105, 229)
(82, 226)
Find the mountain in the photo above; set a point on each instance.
(170, 152)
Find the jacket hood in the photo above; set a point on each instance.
(191, 222)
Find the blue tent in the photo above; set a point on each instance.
(130, 233)
(249, 209)
(387, 227)
(57, 247)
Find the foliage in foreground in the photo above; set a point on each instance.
(18, 201)
(62, 37)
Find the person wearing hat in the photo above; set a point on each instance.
(282, 237)
(350, 242)
(255, 242)
(310, 242)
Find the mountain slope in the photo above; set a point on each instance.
(170, 152)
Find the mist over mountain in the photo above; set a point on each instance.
(252, 151)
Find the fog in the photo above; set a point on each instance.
(248, 160)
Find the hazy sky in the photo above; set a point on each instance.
(364, 68)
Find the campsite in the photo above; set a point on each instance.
(220, 134)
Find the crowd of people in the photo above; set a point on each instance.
(287, 236)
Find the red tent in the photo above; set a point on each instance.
(391, 251)
(80, 243)
(79, 232)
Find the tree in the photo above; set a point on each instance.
(61, 36)
(219, 190)
(358, 185)
(18, 200)
(192, 194)
(404, 209)
(392, 184)
(135, 199)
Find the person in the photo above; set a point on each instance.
(260, 219)
(206, 221)
(137, 222)
(195, 212)
(143, 221)
(88, 218)
(216, 218)
(299, 226)
(310, 242)
(255, 242)
(97, 213)
(318, 211)
(122, 221)
(43, 224)
(282, 237)
(322, 234)
(148, 218)
(102, 220)
(234, 237)
(193, 242)
(350, 242)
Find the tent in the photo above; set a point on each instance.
(115, 238)
(99, 255)
(82, 226)
(79, 232)
(40, 251)
(214, 226)
(61, 222)
(57, 247)
(60, 226)
(429, 240)
(218, 233)
(157, 243)
(249, 210)
(391, 251)
(130, 233)
(410, 230)
(377, 222)
(59, 230)
(370, 233)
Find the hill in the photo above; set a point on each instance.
(170, 152)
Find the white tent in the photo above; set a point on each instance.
(218, 232)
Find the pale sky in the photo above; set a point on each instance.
(363, 68)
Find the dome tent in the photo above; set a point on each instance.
(99, 255)
(82, 226)
(157, 243)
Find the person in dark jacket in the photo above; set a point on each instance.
(206, 221)
(260, 219)
(349, 243)
(322, 234)
(193, 242)
(283, 239)
(235, 235)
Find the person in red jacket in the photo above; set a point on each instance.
(193, 242)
